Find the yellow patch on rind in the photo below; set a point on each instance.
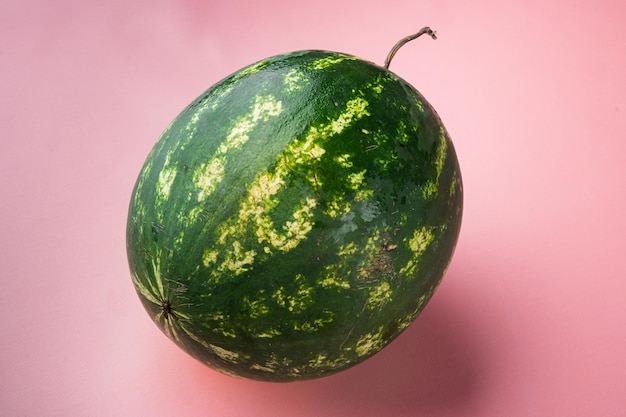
(254, 214)
(432, 186)
(370, 343)
(209, 174)
(329, 61)
(295, 80)
(418, 243)
(379, 296)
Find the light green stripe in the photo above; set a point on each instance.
(431, 188)
(209, 174)
(253, 216)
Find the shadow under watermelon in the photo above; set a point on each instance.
(435, 365)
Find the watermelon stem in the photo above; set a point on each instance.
(401, 42)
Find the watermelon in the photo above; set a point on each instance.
(296, 217)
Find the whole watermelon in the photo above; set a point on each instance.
(296, 217)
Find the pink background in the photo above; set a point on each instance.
(531, 317)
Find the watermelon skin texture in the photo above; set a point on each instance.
(296, 217)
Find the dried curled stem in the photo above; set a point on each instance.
(401, 42)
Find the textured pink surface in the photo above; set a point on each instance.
(530, 319)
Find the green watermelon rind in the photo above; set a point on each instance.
(296, 217)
